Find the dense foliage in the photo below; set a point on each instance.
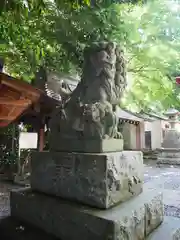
(53, 34)
(8, 147)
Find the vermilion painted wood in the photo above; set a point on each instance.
(4, 124)
(178, 80)
(17, 103)
(16, 97)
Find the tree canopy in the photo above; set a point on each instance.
(53, 34)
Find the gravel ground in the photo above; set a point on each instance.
(166, 179)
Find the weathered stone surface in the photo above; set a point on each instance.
(86, 146)
(171, 139)
(67, 220)
(154, 213)
(100, 180)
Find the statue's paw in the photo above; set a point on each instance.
(119, 135)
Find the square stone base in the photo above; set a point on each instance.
(86, 146)
(169, 156)
(21, 180)
(134, 219)
(99, 180)
(169, 152)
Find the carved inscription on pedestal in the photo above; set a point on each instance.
(63, 168)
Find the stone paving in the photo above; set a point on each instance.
(165, 179)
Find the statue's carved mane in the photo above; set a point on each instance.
(90, 107)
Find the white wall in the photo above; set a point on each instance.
(156, 136)
(126, 135)
(130, 136)
(142, 134)
(148, 126)
(133, 142)
(156, 127)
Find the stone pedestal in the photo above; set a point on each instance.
(86, 146)
(89, 196)
(171, 140)
(99, 180)
(134, 219)
(21, 180)
(169, 156)
(170, 151)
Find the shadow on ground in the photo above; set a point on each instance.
(11, 228)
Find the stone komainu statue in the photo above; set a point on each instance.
(89, 111)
